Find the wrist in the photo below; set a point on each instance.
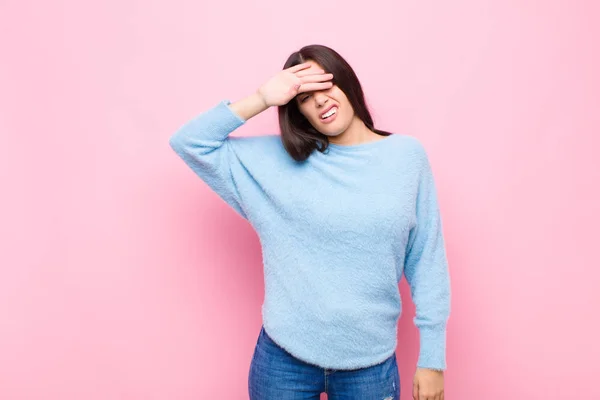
(259, 98)
(439, 371)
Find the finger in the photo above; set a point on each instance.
(415, 392)
(309, 87)
(316, 78)
(442, 396)
(299, 67)
(310, 71)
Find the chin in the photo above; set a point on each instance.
(332, 132)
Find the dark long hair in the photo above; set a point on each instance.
(299, 137)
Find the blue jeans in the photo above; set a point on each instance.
(277, 375)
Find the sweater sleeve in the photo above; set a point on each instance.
(426, 271)
(204, 146)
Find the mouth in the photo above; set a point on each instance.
(329, 114)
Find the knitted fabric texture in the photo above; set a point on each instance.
(337, 231)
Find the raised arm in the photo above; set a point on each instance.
(204, 146)
(203, 142)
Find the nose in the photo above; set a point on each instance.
(320, 99)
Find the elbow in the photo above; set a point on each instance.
(176, 143)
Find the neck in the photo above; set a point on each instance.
(356, 133)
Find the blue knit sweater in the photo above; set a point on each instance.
(337, 232)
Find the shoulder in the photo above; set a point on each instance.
(412, 142)
(411, 146)
(266, 149)
(256, 143)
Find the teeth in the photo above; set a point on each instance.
(329, 113)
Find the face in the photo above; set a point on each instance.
(328, 111)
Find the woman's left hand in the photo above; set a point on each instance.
(428, 384)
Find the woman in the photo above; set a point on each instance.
(342, 210)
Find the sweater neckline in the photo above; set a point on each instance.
(361, 146)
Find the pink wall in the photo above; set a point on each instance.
(124, 277)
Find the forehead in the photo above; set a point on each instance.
(314, 64)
